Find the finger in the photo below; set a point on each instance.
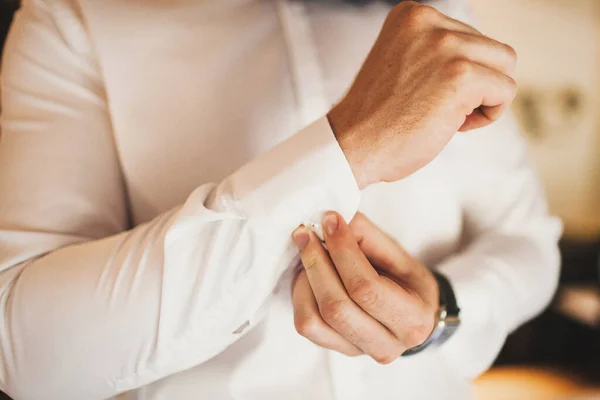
(463, 38)
(318, 266)
(459, 26)
(337, 308)
(485, 89)
(481, 117)
(380, 248)
(455, 35)
(310, 324)
(380, 297)
(429, 16)
(348, 259)
(399, 310)
(479, 49)
(494, 88)
(389, 256)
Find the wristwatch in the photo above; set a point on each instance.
(447, 317)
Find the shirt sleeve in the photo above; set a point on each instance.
(90, 309)
(509, 267)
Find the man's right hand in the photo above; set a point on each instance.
(427, 77)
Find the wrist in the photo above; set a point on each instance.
(447, 317)
(355, 153)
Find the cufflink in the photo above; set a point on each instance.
(316, 228)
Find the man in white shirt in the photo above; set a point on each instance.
(157, 156)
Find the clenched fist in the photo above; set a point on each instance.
(427, 77)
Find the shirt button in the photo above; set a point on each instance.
(241, 328)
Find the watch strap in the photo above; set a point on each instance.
(447, 298)
(447, 320)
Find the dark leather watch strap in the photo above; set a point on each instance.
(448, 322)
(447, 298)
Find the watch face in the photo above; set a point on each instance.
(448, 324)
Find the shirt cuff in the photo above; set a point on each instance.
(296, 182)
(479, 338)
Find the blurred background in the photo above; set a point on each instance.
(557, 355)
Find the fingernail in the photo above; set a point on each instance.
(301, 238)
(330, 224)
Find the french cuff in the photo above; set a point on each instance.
(479, 338)
(296, 182)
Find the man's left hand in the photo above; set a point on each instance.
(364, 294)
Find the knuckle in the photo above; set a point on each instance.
(384, 358)
(334, 310)
(417, 334)
(402, 6)
(460, 69)
(512, 53)
(420, 14)
(359, 223)
(359, 219)
(307, 325)
(364, 291)
(445, 39)
(511, 90)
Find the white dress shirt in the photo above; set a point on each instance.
(155, 157)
